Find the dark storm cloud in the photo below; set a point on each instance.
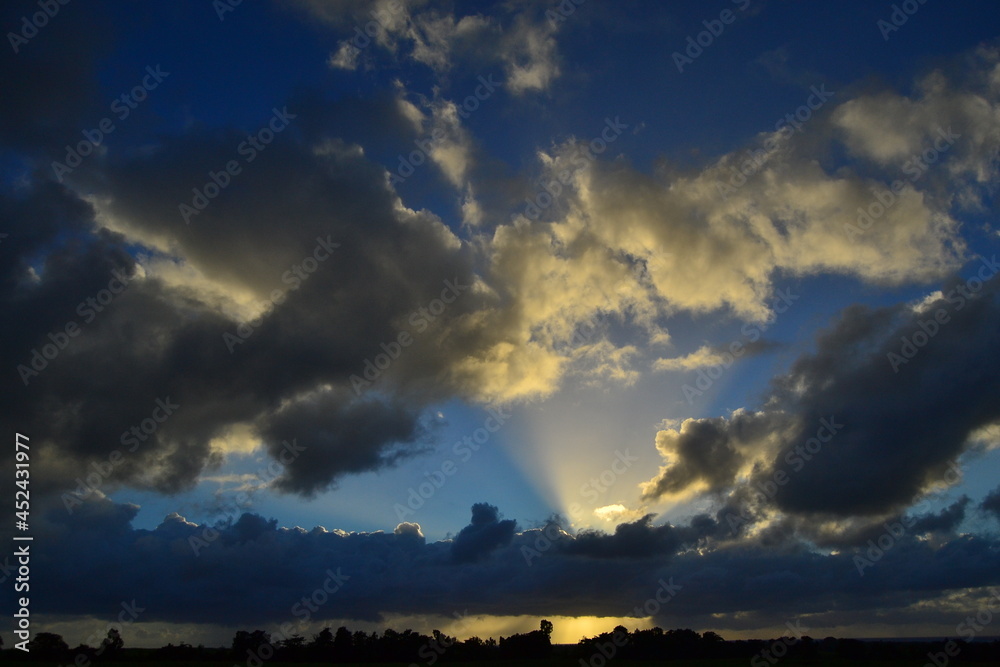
(642, 539)
(859, 531)
(637, 540)
(292, 375)
(991, 503)
(868, 421)
(53, 75)
(944, 521)
(38, 214)
(340, 437)
(307, 195)
(704, 454)
(906, 418)
(485, 533)
(251, 572)
(104, 381)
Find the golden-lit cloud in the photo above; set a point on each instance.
(521, 39)
(617, 513)
(703, 357)
(236, 439)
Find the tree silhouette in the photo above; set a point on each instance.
(534, 644)
(112, 643)
(249, 642)
(324, 640)
(48, 645)
(364, 646)
(292, 648)
(343, 644)
(89, 654)
(321, 647)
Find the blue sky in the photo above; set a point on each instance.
(570, 183)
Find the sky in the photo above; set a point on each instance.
(461, 315)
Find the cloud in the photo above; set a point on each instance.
(346, 56)
(551, 296)
(866, 423)
(252, 572)
(519, 38)
(341, 436)
(887, 456)
(703, 357)
(638, 539)
(178, 330)
(707, 455)
(211, 303)
(453, 151)
(484, 534)
(407, 528)
(680, 243)
(961, 104)
(991, 503)
(529, 51)
(55, 92)
(616, 512)
(312, 313)
(687, 240)
(945, 521)
(709, 355)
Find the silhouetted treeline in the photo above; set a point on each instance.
(257, 648)
(390, 646)
(657, 644)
